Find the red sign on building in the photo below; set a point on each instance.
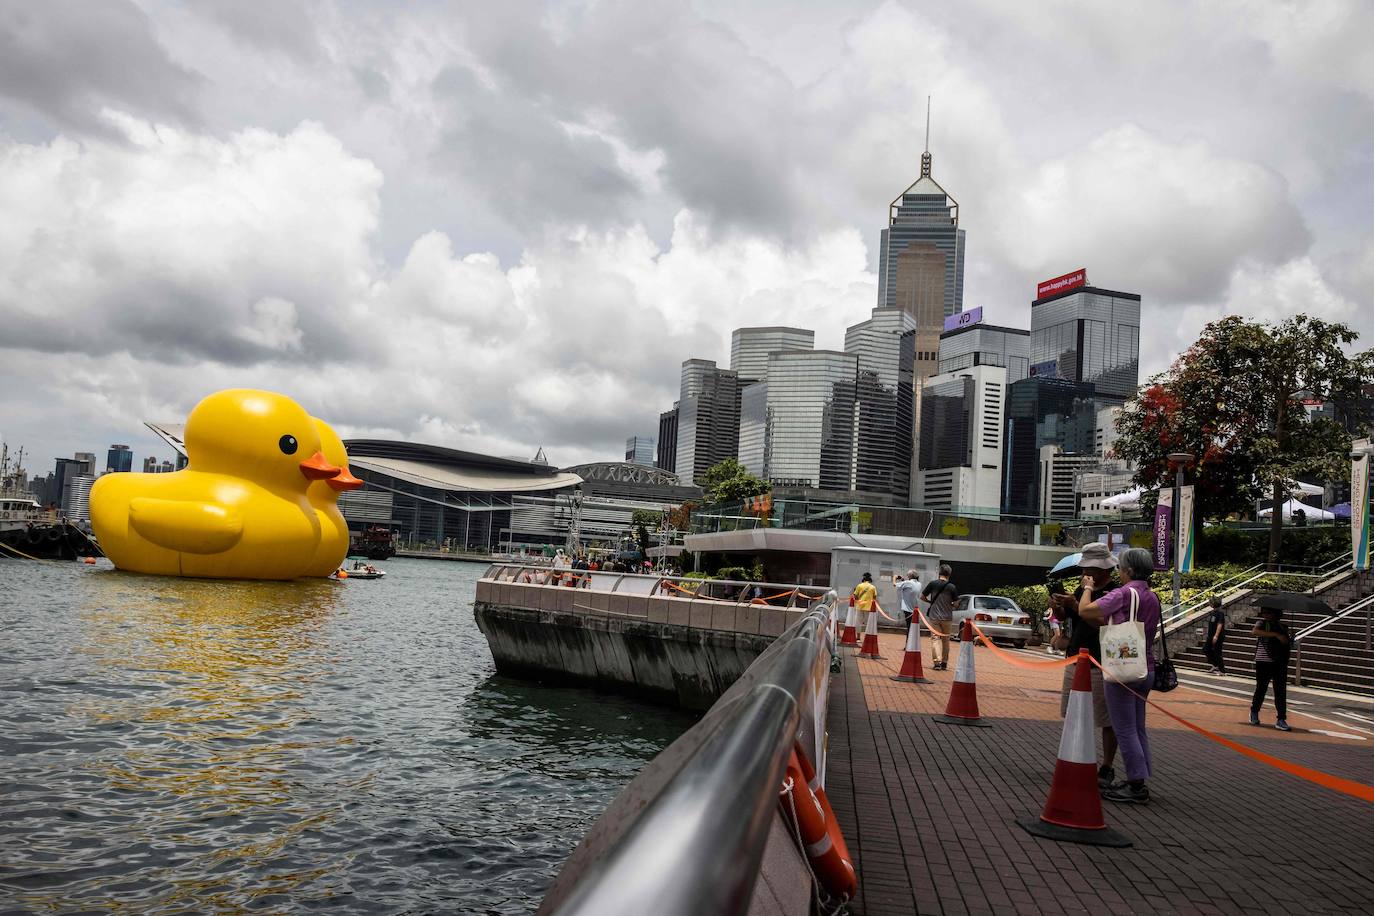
(1063, 284)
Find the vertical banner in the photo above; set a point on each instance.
(1164, 525)
(1186, 535)
(1359, 511)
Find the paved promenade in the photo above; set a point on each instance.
(929, 810)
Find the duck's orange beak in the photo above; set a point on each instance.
(316, 468)
(345, 481)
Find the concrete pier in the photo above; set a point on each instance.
(683, 651)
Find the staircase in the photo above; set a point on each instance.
(1334, 657)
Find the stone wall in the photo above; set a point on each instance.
(682, 651)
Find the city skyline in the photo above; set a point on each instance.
(436, 290)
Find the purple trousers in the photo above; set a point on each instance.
(1127, 713)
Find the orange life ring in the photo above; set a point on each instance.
(820, 833)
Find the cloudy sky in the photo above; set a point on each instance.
(500, 226)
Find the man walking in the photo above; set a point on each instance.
(909, 591)
(941, 594)
(1216, 637)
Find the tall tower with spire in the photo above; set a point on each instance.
(921, 259)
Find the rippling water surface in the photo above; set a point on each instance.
(192, 746)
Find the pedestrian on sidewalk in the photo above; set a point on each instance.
(1216, 637)
(1096, 567)
(1271, 664)
(1126, 702)
(940, 612)
(909, 591)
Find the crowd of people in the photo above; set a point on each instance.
(1112, 590)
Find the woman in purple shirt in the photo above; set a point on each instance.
(1126, 702)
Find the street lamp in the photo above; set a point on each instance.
(1180, 461)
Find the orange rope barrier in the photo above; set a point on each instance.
(1021, 662)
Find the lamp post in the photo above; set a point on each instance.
(1180, 460)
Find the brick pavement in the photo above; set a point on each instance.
(1223, 834)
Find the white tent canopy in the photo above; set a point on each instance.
(1292, 505)
(1296, 487)
(1128, 500)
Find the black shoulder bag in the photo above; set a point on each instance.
(1166, 678)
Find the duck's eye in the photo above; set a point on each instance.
(287, 444)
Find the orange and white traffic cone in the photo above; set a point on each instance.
(962, 708)
(850, 636)
(911, 671)
(1073, 812)
(870, 646)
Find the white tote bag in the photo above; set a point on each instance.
(1123, 647)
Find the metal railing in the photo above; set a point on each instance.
(688, 835)
(1176, 616)
(1364, 604)
(648, 586)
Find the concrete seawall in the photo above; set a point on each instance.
(682, 651)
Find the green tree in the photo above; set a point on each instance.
(643, 521)
(1234, 400)
(729, 482)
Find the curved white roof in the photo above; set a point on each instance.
(448, 477)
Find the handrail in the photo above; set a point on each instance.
(1364, 604)
(695, 844)
(541, 575)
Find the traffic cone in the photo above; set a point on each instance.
(850, 636)
(911, 660)
(962, 708)
(870, 646)
(1073, 812)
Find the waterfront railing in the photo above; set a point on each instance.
(774, 594)
(688, 835)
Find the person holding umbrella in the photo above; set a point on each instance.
(1271, 664)
(1095, 564)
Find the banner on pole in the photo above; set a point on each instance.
(1186, 535)
(1359, 511)
(1164, 525)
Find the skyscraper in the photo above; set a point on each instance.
(708, 418)
(884, 394)
(986, 345)
(640, 450)
(119, 458)
(667, 440)
(749, 348)
(1085, 334)
(921, 261)
(811, 417)
(1042, 411)
(961, 440)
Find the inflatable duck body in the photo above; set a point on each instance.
(324, 497)
(240, 508)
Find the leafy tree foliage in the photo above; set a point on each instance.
(729, 482)
(1234, 400)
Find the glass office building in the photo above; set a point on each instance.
(986, 345)
(667, 440)
(753, 429)
(708, 418)
(921, 263)
(1088, 335)
(884, 394)
(1042, 411)
(640, 450)
(119, 458)
(811, 419)
(749, 348)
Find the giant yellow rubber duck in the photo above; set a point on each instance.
(239, 510)
(324, 496)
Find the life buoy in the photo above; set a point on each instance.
(820, 832)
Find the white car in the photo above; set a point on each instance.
(997, 617)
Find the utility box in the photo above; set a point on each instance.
(848, 564)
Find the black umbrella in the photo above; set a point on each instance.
(1293, 601)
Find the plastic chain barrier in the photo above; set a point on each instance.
(1335, 783)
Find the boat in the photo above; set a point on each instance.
(30, 532)
(361, 569)
(376, 542)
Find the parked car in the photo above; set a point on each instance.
(997, 617)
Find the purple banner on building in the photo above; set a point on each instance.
(1164, 525)
(964, 319)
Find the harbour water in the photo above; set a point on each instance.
(192, 746)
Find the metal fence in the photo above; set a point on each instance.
(688, 835)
